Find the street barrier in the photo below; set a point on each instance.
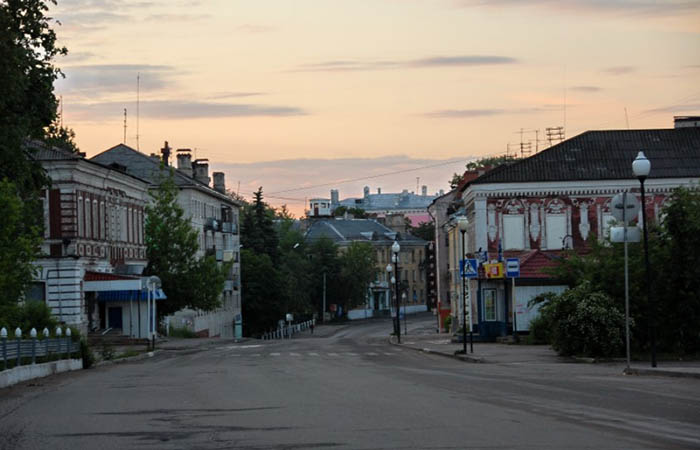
(17, 349)
(288, 331)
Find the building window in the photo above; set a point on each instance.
(88, 218)
(513, 232)
(490, 305)
(555, 231)
(95, 220)
(36, 292)
(80, 217)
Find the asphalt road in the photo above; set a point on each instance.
(346, 387)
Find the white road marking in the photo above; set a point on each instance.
(274, 354)
(313, 354)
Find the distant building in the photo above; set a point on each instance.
(407, 204)
(411, 262)
(213, 213)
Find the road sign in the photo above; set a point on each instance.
(512, 267)
(627, 203)
(493, 270)
(617, 234)
(470, 270)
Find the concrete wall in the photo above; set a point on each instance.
(29, 372)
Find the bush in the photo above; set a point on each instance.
(539, 331)
(26, 316)
(86, 354)
(182, 333)
(583, 322)
(446, 322)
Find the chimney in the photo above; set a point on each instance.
(379, 190)
(366, 191)
(441, 192)
(424, 190)
(165, 151)
(184, 161)
(220, 182)
(334, 198)
(201, 171)
(686, 121)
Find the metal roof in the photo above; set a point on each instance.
(607, 155)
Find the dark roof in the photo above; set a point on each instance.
(607, 155)
(149, 168)
(363, 230)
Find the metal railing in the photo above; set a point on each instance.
(287, 332)
(58, 347)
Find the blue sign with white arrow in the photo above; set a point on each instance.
(468, 268)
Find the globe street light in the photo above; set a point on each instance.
(395, 249)
(463, 224)
(641, 168)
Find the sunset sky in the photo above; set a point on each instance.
(300, 96)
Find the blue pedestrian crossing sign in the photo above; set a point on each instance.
(512, 267)
(468, 268)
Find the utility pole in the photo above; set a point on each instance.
(323, 316)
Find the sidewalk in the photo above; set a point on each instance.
(494, 353)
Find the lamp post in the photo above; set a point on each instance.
(641, 168)
(395, 249)
(405, 324)
(463, 223)
(391, 280)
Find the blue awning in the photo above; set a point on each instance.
(121, 296)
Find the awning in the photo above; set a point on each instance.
(126, 295)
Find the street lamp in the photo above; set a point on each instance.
(641, 168)
(463, 223)
(389, 279)
(395, 249)
(405, 324)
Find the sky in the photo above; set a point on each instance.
(301, 96)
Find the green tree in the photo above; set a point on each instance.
(582, 321)
(171, 248)
(489, 161)
(358, 264)
(263, 302)
(323, 255)
(27, 107)
(18, 246)
(674, 280)
(425, 231)
(257, 228)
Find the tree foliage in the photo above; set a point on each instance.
(425, 231)
(358, 268)
(675, 277)
(489, 161)
(582, 321)
(27, 107)
(171, 249)
(18, 246)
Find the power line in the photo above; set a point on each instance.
(335, 183)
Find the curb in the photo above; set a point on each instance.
(659, 373)
(459, 357)
(111, 362)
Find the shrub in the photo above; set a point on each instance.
(539, 331)
(32, 314)
(584, 322)
(86, 354)
(446, 322)
(182, 333)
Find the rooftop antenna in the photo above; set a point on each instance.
(124, 141)
(564, 128)
(417, 184)
(138, 87)
(61, 101)
(627, 119)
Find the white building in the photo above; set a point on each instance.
(215, 216)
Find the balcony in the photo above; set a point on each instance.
(229, 227)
